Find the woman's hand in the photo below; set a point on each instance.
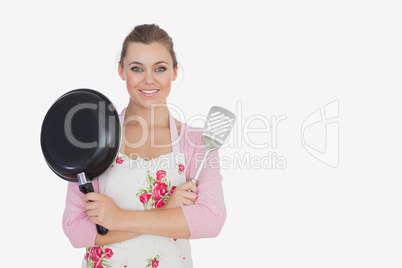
(182, 196)
(103, 210)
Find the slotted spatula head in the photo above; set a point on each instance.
(217, 127)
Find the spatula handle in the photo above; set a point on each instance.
(197, 173)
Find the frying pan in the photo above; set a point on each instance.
(80, 138)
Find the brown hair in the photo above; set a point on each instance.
(147, 34)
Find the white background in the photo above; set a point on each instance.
(274, 58)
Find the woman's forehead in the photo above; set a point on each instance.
(147, 53)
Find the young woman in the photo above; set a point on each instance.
(145, 199)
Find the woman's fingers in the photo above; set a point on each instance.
(185, 194)
(192, 187)
(92, 213)
(188, 186)
(92, 197)
(189, 195)
(90, 206)
(103, 210)
(183, 198)
(95, 206)
(186, 201)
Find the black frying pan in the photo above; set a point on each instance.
(80, 138)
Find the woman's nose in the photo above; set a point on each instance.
(149, 78)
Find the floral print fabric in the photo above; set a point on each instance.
(157, 191)
(98, 257)
(141, 185)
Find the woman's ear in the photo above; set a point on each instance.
(175, 73)
(121, 72)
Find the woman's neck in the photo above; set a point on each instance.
(151, 117)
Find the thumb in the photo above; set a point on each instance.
(191, 187)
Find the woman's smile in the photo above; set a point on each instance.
(149, 92)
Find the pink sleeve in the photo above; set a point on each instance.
(79, 230)
(206, 217)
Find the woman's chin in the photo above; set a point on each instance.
(149, 104)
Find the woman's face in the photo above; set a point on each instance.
(148, 72)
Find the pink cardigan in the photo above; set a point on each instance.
(205, 218)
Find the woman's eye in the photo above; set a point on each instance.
(160, 69)
(136, 69)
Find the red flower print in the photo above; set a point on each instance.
(98, 264)
(119, 160)
(175, 239)
(155, 263)
(144, 198)
(159, 203)
(159, 190)
(96, 253)
(160, 174)
(108, 253)
(181, 168)
(86, 257)
(172, 190)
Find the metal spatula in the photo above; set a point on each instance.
(217, 128)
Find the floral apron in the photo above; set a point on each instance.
(139, 185)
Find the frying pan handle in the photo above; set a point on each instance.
(88, 188)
